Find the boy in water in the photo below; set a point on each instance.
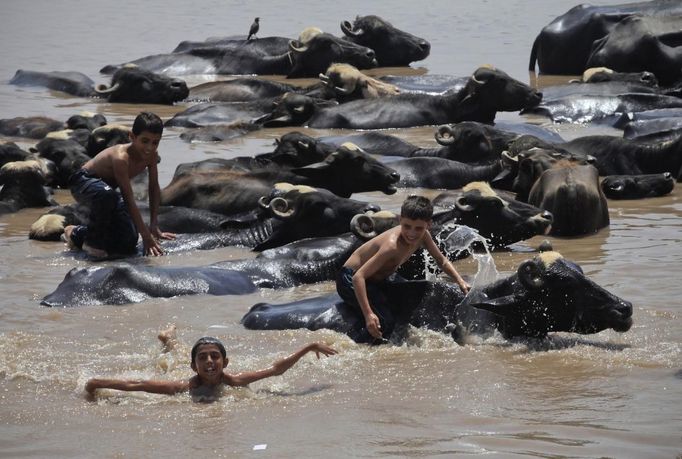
(115, 220)
(371, 268)
(208, 361)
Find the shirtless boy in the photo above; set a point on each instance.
(208, 361)
(371, 268)
(115, 220)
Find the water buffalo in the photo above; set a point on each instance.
(642, 43)
(67, 154)
(547, 294)
(23, 185)
(37, 127)
(241, 89)
(602, 74)
(563, 47)
(9, 151)
(496, 215)
(487, 91)
(344, 172)
(303, 262)
(345, 83)
(571, 192)
(442, 173)
(129, 84)
(605, 102)
(637, 186)
(392, 46)
(309, 56)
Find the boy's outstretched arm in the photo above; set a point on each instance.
(444, 263)
(278, 367)
(155, 387)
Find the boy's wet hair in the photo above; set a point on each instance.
(147, 121)
(417, 208)
(208, 340)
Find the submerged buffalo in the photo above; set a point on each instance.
(546, 294)
(487, 91)
(308, 56)
(129, 84)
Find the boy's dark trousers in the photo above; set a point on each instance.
(378, 300)
(110, 226)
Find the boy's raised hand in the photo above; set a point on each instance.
(321, 348)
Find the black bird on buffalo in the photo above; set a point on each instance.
(254, 29)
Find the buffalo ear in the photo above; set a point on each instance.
(530, 273)
(502, 306)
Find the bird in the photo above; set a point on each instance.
(254, 29)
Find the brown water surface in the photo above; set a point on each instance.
(605, 395)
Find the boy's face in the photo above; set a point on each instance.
(413, 230)
(146, 143)
(209, 363)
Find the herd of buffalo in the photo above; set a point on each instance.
(505, 182)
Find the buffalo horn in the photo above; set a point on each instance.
(280, 207)
(444, 135)
(102, 89)
(348, 29)
(530, 274)
(461, 204)
(294, 46)
(363, 226)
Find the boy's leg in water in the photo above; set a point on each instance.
(122, 235)
(102, 199)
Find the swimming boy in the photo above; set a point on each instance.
(115, 221)
(209, 358)
(371, 268)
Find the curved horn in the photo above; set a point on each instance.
(325, 79)
(530, 274)
(102, 89)
(294, 45)
(444, 135)
(342, 90)
(363, 226)
(461, 205)
(347, 28)
(263, 202)
(304, 145)
(280, 207)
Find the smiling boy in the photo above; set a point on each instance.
(115, 221)
(371, 268)
(209, 358)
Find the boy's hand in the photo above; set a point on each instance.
(151, 247)
(321, 348)
(465, 287)
(373, 325)
(91, 387)
(158, 234)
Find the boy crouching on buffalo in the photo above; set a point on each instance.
(371, 269)
(115, 221)
(208, 361)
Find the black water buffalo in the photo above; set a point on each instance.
(343, 172)
(393, 47)
(602, 74)
(564, 46)
(637, 186)
(96, 285)
(496, 215)
(618, 156)
(129, 84)
(291, 109)
(303, 262)
(487, 91)
(605, 102)
(10, 151)
(241, 89)
(309, 56)
(23, 185)
(642, 43)
(547, 294)
(571, 192)
(68, 156)
(37, 127)
(442, 173)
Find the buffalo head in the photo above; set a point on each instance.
(551, 294)
(133, 84)
(392, 46)
(321, 50)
